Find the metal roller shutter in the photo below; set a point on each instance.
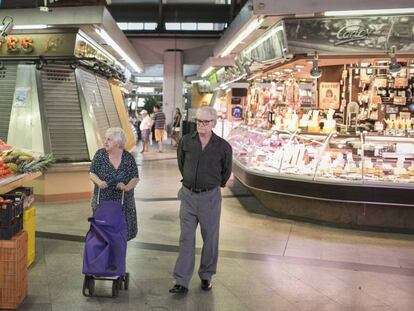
(63, 114)
(108, 102)
(93, 99)
(7, 86)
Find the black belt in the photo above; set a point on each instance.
(195, 190)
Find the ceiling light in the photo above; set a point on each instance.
(104, 35)
(370, 12)
(207, 71)
(243, 35)
(22, 27)
(315, 72)
(395, 67)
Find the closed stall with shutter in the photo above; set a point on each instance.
(93, 100)
(8, 72)
(108, 102)
(62, 112)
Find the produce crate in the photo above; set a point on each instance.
(11, 208)
(26, 193)
(13, 271)
(8, 230)
(29, 225)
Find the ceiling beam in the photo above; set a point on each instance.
(149, 12)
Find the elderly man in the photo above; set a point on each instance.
(204, 160)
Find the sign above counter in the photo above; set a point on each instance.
(350, 34)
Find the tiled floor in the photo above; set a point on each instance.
(265, 263)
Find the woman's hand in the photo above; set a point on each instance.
(102, 184)
(121, 186)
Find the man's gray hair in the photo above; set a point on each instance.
(207, 109)
(118, 135)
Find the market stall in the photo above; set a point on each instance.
(327, 135)
(60, 86)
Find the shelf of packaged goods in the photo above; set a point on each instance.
(11, 182)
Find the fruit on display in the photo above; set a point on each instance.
(4, 146)
(4, 170)
(13, 161)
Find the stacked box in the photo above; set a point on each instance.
(13, 271)
(11, 215)
(29, 225)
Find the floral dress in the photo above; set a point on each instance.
(127, 170)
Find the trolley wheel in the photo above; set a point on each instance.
(126, 281)
(85, 285)
(115, 287)
(91, 285)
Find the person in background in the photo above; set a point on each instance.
(205, 161)
(114, 170)
(175, 135)
(159, 126)
(145, 128)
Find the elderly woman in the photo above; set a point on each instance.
(145, 128)
(114, 170)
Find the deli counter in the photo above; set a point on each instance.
(360, 181)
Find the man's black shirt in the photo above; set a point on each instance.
(204, 169)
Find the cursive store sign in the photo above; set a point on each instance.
(352, 33)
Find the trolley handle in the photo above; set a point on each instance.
(99, 194)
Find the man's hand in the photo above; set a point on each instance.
(122, 186)
(102, 184)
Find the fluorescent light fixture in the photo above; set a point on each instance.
(173, 26)
(207, 71)
(196, 81)
(265, 37)
(370, 12)
(118, 49)
(145, 89)
(243, 35)
(41, 26)
(205, 26)
(188, 26)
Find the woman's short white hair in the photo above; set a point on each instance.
(209, 110)
(118, 135)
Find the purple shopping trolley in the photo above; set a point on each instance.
(105, 248)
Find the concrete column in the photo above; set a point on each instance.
(173, 83)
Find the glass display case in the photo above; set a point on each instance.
(327, 158)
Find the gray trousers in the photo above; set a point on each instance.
(203, 208)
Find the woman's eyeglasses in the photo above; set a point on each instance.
(203, 122)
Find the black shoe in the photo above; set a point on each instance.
(178, 289)
(206, 285)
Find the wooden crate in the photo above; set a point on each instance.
(13, 271)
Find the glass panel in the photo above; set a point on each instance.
(188, 26)
(389, 160)
(122, 26)
(205, 26)
(341, 160)
(150, 26)
(172, 26)
(135, 26)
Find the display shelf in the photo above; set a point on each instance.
(345, 181)
(11, 182)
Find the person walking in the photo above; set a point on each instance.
(114, 170)
(159, 126)
(145, 128)
(205, 161)
(175, 135)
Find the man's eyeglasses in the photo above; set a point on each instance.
(203, 122)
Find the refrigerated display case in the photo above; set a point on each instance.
(353, 175)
